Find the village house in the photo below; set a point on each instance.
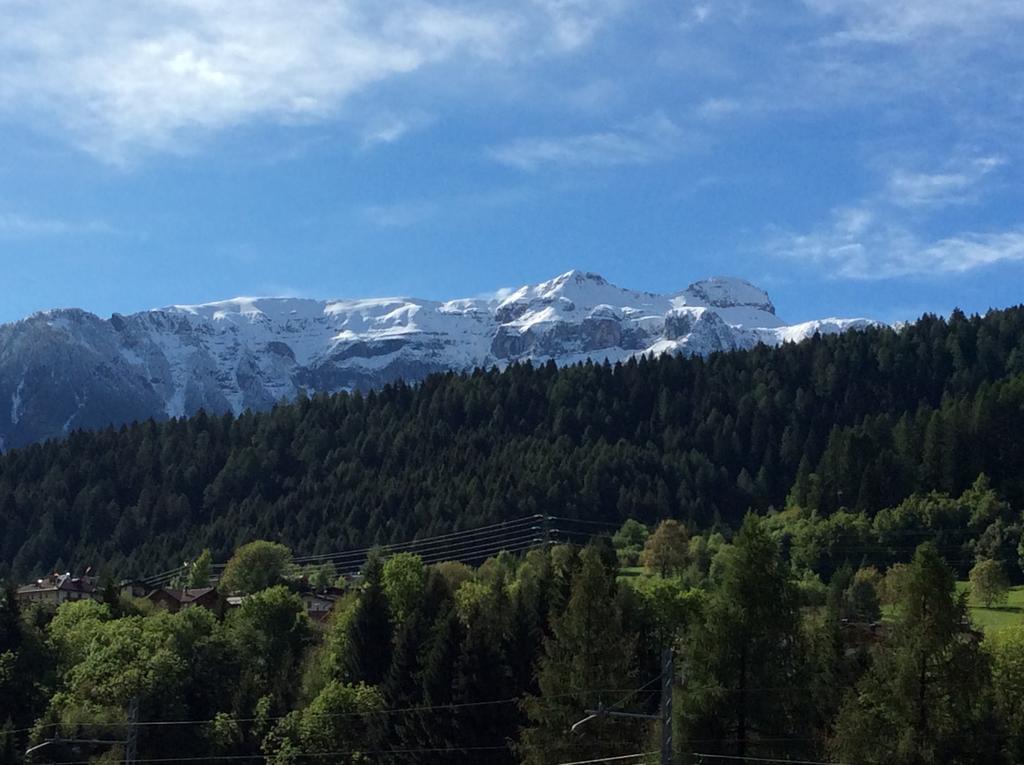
(58, 588)
(175, 600)
(319, 604)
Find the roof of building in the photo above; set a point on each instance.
(63, 582)
(187, 595)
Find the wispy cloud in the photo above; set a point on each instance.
(401, 214)
(412, 212)
(718, 108)
(908, 21)
(498, 295)
(18, 226)
(152, 75)
(390, 128)
(642, 141)
(879, 237)
(856, 244)
(574, 23)
(957, 184)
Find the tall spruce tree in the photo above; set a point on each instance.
(924, 700)
(747, 664)
(437, 724)
(370, 631)
(587, 661)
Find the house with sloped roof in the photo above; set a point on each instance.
(58, 588)
(174, 600)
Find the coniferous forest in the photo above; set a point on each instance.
(858, 422)
(794, 523)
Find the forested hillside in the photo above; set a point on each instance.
(859, 421)
(449, 665)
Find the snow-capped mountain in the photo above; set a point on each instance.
(66, 369)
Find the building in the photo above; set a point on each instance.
(175, 600)
(58, 588)
(319, 604)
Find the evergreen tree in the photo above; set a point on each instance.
(750, 640)
(200, 570)
(437, 726)
(1007, 650)
(370, 631)
(923, 699)
(482, 681)
(585, 661)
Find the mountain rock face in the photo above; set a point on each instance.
(66, 369)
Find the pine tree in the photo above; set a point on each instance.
(921, 702)
(437, 726)
(199, 571)
(483, 681)
(588, 656)
(750, 639)
(370, 631)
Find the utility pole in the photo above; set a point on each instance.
(667, 676)
(130, 741)
(665, 713)
(131, 745)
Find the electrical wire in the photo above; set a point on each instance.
(609, 759)
(364, 713)
(760, 759)
(309, 755)
(427, 544)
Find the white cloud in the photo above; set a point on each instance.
(389, 128)
(956, 185)
(497, 296)
(718, 108)
(639, 142)
(909, 21)
(149, 75)
(401, 214)
(18, 226)
(857, 245)
(574, 23)
(411, 212)
(877, 238)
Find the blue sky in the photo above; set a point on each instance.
(852, 157)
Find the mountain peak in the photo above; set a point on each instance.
(577, 276)
(68, 369)
(729, 292)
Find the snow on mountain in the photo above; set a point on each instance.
(67, 369)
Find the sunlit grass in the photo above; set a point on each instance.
(997, 617)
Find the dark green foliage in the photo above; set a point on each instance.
(924, 700)
(861, 420)
(370, 631)
(747, 662)
(272, 631)
(877, 439)
(254, 567)
(587, 661)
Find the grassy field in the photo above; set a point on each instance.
(1009, 614)
(628, 572)
(990, 619)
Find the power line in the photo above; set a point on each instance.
(490, 533)
(372, 752)
(454, 537)
(609, 759)
(365, 713)
(748, 758)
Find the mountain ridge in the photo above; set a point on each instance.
(64, 369)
